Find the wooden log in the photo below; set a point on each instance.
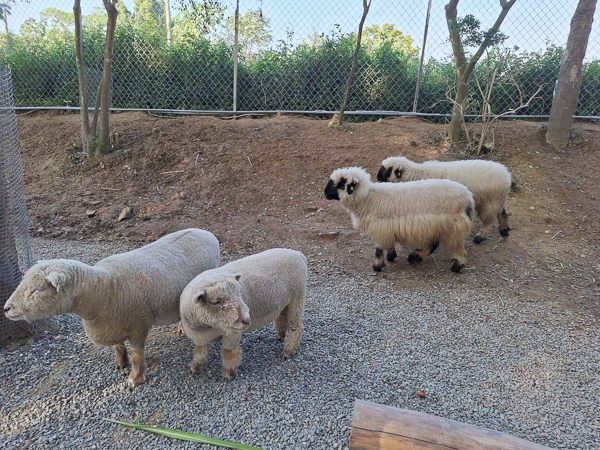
(379, 427)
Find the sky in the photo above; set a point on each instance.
(531, 24)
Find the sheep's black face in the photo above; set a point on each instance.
(331, 190)
(384, 174)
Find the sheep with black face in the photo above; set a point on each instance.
(419, 214)
(240, 297)
(488, 181)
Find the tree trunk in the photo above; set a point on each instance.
(5, 20)
(464, 68)
(103, 138)
(366, 7)
(569, 78)
(85, 120)
(384, 427)
(168, 21)
(462, 91)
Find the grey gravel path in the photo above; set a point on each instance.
(527, 368)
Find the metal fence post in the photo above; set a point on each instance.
(235, 55)
(422, 57)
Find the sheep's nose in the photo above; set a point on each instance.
(246, 322)
(6, 308)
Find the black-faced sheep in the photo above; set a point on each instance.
(121, 297)
(240, 297)
(489, 182)
(419, 214)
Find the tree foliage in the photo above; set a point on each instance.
(469, 28)
(377, 36)
(5, 9)
(196, 72)
(254, 31)
(148, 12)
(199, 18)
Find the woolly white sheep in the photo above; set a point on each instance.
(120, 297)
(240, 297)
(419, 214)
(489, 182)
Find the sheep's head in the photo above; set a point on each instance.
(347, 182)
(215, 301)
(41, 293)
(392, 168)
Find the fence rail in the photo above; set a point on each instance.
(294, 56)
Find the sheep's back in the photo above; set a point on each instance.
(269, 281)
(415, 198)
(482, 178)
(150, 279)
(413, 213)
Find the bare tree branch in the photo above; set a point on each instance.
(464, 67)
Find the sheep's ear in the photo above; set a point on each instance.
(350, 187)
(199, 297)
(57, 280)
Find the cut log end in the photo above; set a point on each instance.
(379, 427)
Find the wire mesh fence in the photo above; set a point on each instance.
(296, 56)
(15, 247)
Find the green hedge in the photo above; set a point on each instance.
(196, 74)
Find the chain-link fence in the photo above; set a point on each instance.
(15, 248)
(296, 56)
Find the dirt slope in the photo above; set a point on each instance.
(258, 183)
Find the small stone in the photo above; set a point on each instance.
(90, 212)
(127, 213)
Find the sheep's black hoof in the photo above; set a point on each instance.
(504, 232)
(456, 266)
(414, 258)
(391, 256)
(478, 239)
(377, 267)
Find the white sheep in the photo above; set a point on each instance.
(419, 214)
(489, 182)
(242, 296)
(121, 297)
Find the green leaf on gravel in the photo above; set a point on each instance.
(185, 436)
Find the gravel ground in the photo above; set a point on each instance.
(527, 368)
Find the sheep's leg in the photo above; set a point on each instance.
(391, 254)
(415, 256)
(137, 375)
(503, 223)
(487, 220)
(281, 324)
(200, 358)
(231, 358)
(295, 326)
(379, 260)
(121, 358)
(459, 259)
(419, 255)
